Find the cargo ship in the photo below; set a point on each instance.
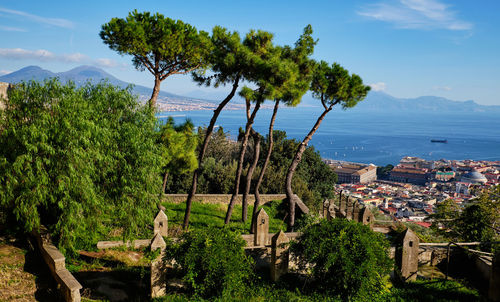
(444, 141)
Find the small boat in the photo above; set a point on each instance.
(444, 141)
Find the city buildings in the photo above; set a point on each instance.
(407, 174)
(348, 172)
(416, 186)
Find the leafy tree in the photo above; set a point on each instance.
(345, 259)
(445, 217)
(80, 161)
(477, 221)
(179, 146)
(331, 85)
(162, 46)
(212, 260)
(229, 62)
(263, 66)
(277, 75)
(383, 172)
(312, 182)
(290, 93)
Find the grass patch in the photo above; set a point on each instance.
(205, 215)
(433, 290)
(420, 291)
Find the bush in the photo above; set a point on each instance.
(212, 261)
(78, 160)
(344, 258)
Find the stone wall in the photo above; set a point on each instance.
(221, 198)
(55, 260)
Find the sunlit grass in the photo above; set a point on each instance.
(204, 215)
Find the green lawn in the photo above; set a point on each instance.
(203, 215)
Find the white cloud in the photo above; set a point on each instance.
(380, 86)
(49, 21)
(103, 62)
(416, 14)
(47, 56)
(3, 71)
(9, 28)
(442, 88)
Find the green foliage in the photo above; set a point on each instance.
(432, 290)
(344, 258)
(178, 147)
(80, 161)
(419, 291)
(445, 218)
(475, 222)
(383, 172)
(280, 73)
(313, 182)
(333, 85)
(177, 46)
(228, 59)
(478, 221)
(212, 260)
(161, 45)
(212, 215)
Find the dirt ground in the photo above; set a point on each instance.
(23, 275)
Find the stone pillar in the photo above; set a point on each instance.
(158, 270)
(326, 206)
(348, 211)
(409, 256)
(279, 255)
(161, 224)
(261, 235)
(332, 210)
(367, 217)
(343, 206)
(494, 290)
(355, 211)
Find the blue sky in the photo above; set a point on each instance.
(406, 48)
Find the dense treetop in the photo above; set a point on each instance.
(161, 45)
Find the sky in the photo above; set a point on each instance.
(406, 48)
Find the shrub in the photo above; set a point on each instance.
(78, 160)
(212, 261)
(344, 258)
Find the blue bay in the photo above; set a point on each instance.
(374, 137)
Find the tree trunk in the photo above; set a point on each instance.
(203, 150)
(264, 166)
(293, 166)
(237, 179)
(154, 95)
(256, 155)
(165, 177)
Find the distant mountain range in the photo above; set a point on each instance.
(201, 100)
(80, 75)
(379, 101)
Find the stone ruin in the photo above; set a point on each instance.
(407, 256)
(279, 255)
(158, 282)
(347, 207)
(261, 234)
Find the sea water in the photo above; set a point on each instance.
(373, 137)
